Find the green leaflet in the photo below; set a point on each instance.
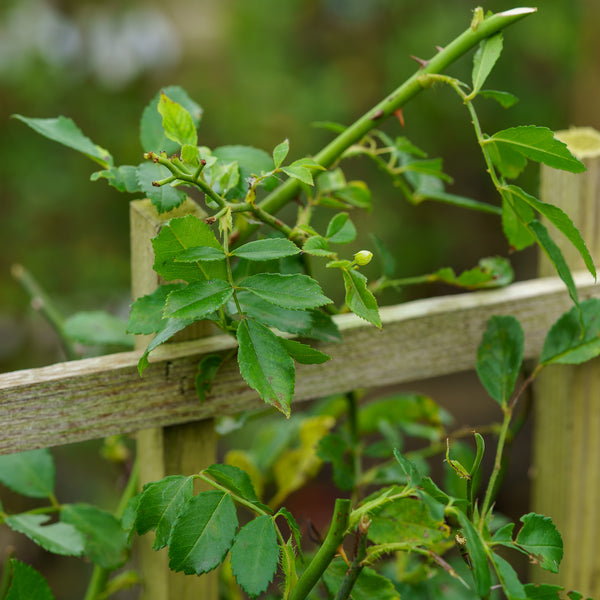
(265, 365)
(499, 357)
(504, 534)
(105, 542)
(408, 521)
(477, 553)
(505, 99)
(180, 234)
(515, 216)
(340, 229)
(201, 253)
(511, 585)
(301, 170)
(159, 504)
(284, 319)
(317, 246)
(164, 197)
(203, 533)
(146, 314)
(298, 292)
(65, 132)
(234, 479)
(409, 468)
(177, 122)
(303, 353)
(268, 249)
(251, 162)
(280, 152)
(484, 60)
(97, 328)
(123, 178)
(27, 583)
(552, 251)
(198, 299)
(534, 143)
(359, 298)
(323, 328)
(490, 272)
(541, 540)
(152, 134)
(30, 473)
(567, 342)
(167, 331)
(190, 155)
(420, 170)
(560, 220)
(255, 555)
(546, 591)
(288, 567)
(59, 538)
(294, 528)
(355, 194)
(222, 177)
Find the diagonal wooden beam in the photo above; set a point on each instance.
(96, 397)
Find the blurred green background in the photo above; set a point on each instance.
(263, 71)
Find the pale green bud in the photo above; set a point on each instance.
(363, 258)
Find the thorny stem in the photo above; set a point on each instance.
(398, 98)
(230, 277)
(491, 487)
(357, 563)
(271, 220)
(325, 554)
(504, 438)
(184, 176)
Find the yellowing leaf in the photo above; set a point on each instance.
(297, 466)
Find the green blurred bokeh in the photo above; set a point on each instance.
(262, 71)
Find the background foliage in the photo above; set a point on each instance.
(261, 71)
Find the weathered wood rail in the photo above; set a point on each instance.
(93, 398)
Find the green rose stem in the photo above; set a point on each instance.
(7, 570)
(41, 302)
(100, 576)
(321, 560)
(357, 564)
(398, 98)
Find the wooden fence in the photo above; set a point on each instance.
(96, 397)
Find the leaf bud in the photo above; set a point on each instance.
(363, 258)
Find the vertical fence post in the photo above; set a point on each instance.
(178, 449)
(566, 445)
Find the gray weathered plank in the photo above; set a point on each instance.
(95, 397)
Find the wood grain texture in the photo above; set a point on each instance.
(184, 448)
(92, 398)
(566, 441)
